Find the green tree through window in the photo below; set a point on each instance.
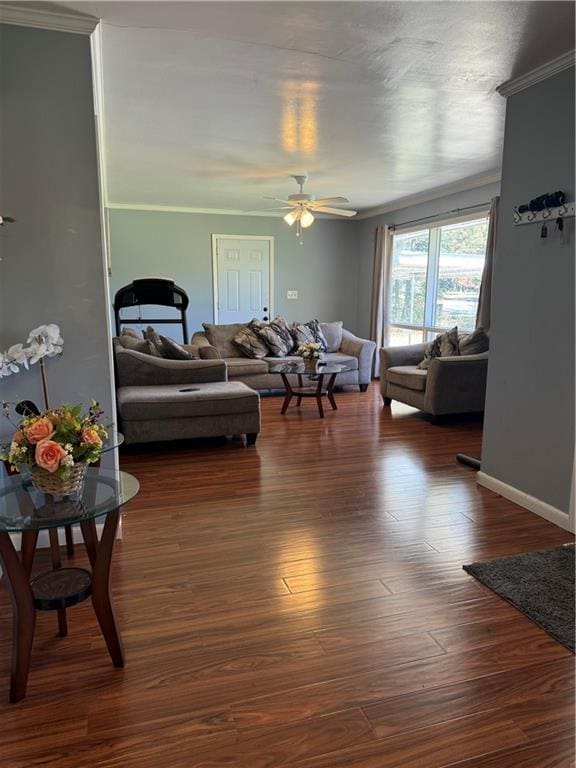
(436, 277)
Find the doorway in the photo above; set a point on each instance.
(243, 267)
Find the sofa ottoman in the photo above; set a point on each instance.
(184, 411)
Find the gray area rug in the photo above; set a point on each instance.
(540, 584)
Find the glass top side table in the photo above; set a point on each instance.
(114, 440)
(25, 510)
(317, 374)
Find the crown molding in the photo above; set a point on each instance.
(553, 67)
(212, 211)
(189, 209)
(23, 16)
(432, 194)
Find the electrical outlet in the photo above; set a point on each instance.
(291, 294)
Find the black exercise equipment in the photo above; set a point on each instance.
(152, 290)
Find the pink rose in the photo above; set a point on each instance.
(90, 436)
(18, 437)
(41, 429)
(49, 454)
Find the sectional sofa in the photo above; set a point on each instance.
(215, 342)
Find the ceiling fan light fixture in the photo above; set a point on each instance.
(290, 218)
(306, 219)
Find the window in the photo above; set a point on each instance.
(435, 280)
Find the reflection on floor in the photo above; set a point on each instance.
(302, 604)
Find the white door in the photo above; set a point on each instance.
(242, 279)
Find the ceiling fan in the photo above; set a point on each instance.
(301, 207)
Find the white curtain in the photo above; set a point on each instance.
(381, 272)
(485, 298)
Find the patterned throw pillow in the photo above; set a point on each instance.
(171, 350)
(444, 345)
(154, 340)
(250, 344)
(276, 336)
(304, 333)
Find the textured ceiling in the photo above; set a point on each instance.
(213, 105)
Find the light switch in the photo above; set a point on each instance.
(291, 294)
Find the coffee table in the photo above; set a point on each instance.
(25, 510)
(318, 374)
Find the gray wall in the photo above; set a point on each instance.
(365, 237)
(529, 423)
(178, 245)
(52, 266)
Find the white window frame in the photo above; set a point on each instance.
(434, 242)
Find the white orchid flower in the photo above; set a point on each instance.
(45, 341)
(36, 351)
(7, 366)
(19, 354)
(49, 332)
(15, 356)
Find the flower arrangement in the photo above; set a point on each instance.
(311, 350)
(58, 442)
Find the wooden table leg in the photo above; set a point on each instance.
(330, 391)
(28, 549)
(319, 394)
(24, 613)
(90, 540)
(56, 565)
(289, 393)
(101, 600)
(69, 540)
(300, 384)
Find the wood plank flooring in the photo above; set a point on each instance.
(302, 603)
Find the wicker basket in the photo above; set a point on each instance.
(310, 364)
(56, 486)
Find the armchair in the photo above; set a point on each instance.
(449, 385)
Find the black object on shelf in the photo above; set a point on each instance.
(152, 291)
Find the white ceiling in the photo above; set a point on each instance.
(214, 104)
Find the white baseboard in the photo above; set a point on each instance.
(547, 511)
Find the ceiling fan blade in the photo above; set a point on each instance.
(277, 199)
(335, 211)
(330, 201)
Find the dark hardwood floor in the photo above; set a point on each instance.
(302, 603)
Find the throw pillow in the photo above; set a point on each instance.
(304, 333)
(154, 340)
(275, 335)
(130, 332)
(449, 346)
(222, 336)
(171, 350)
(251, 344)
(474, 343)
(136, 345)
(333, 334)
(444, 345)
